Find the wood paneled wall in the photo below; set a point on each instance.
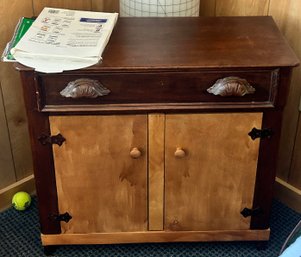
(15, 155)
(15, 147)
(287, 15)
(15, 160)
(242, 7)
(89, 5)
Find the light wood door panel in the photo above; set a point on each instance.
(208, 187)
(98, 183)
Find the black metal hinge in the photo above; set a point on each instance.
(246, 212)
(46, 139)
(260, 133)
(61, 217)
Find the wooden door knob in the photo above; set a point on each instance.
(180, 153)
(135, 153)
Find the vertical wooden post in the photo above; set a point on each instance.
(156, 123)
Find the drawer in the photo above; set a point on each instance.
(154, 90)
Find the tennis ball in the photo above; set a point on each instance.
(21, 201)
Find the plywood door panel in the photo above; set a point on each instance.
(287, 16)
(10, 13)
(98, 182)
(208, 187)
(241, 7)
(38, 5)
(7, 171)
(105, 5)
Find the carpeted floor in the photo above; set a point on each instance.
(19, 236)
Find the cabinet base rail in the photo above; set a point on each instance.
(156, 237)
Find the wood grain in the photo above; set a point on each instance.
(17, 122)
(98, 183)
(285, 12)
(105, 5)
(218, 149)
(156, 125)
(295, 172)
(38, 124)
(148, 237)
(241, 7)
(7, 173)
(10, 12)
(38, 5)
(207, 7)
(287, 194)
(266, 167)
(286, 15)
(181, 88)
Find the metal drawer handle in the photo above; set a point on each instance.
(88, 88)
(231, 86)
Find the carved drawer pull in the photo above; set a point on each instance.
(231, 86)
(135, 153)
(179, 153)
(88, 88)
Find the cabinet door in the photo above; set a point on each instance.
(101, 182)
(212, 178)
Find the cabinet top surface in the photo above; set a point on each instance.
(195, 42)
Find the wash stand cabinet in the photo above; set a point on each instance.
(173, 137)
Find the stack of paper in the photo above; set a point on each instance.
(62, 39)
(21, 28)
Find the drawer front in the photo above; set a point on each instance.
(154, 90)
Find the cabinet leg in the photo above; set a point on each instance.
(49, 250)
(262, 245)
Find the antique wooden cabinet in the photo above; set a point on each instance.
(173, 137)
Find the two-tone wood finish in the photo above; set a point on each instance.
(45, 180)
(157, 157)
